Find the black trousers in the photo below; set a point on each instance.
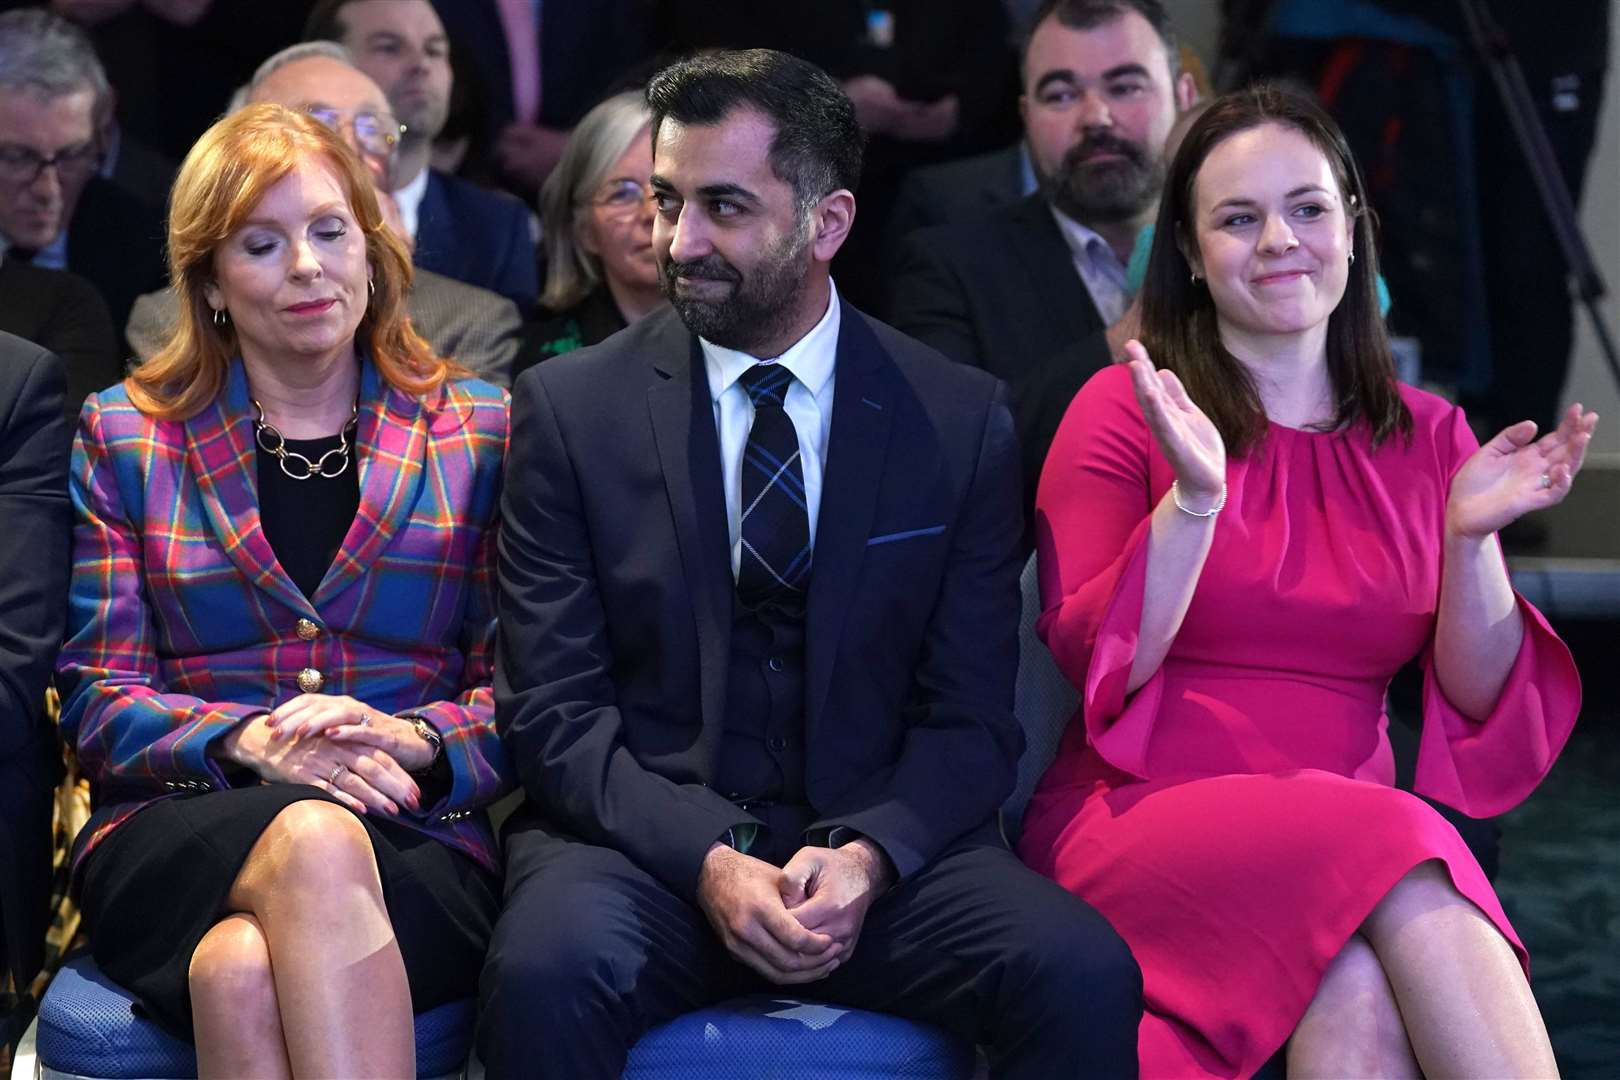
(591, 951)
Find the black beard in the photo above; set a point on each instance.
(760, 306)
(1106, 193)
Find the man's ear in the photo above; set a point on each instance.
(1187, 94)
(832, 219)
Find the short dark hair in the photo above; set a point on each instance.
(818, 142)
(325, 22)
(1090, 14)
(1178, 316)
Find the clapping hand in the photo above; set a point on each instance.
(1516, 473)
(1186, 436)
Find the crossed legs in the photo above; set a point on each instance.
(304, 978)
(1429, 983)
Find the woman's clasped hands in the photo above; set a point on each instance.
(361, 756)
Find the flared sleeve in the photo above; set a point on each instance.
(1487, 767)
(1093, 510)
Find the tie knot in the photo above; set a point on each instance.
(767, 384)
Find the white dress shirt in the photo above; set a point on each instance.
(409, 201)
(1098, 266)
(809, 404)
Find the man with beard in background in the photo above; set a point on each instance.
(1036, 293)
(759, 605)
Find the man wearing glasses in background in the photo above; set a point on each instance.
(474, 326)
(55, 212)
(470, 233)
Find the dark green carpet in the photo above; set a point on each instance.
(1560, 872)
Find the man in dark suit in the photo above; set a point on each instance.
(1036, 293)
(461, 230)
(63, 314)
(757, 648)
(956, 191)
(34, 555)
(55, 212)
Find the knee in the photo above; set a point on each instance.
(1081, 958)
(230, 968)
(313, 844)
(554, 971)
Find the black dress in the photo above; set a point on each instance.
(588, 322)
(153, 888)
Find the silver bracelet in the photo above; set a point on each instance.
(1220, 503)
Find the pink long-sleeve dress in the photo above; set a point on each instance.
(1234, 817)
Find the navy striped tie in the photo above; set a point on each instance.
(775, 563)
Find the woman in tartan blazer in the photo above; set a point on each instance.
(278, 659)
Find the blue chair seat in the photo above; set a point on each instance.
(88, 1028)
(784, 1038)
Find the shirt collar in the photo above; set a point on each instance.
(1085, 243)
(409, 201)
(811, 359)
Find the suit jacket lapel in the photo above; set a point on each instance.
(689, 455)
(1042, 249)
(433, 242)
(220, 455)
(390, 452)
(864, 401)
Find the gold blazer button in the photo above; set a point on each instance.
(307, 631)
(310, 681)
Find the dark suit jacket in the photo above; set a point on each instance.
(1003, 295)
(617, 593)
(585, 48)
(478, 236)
(64, 314)
(34, 554)
(957, 191)
(116, 242)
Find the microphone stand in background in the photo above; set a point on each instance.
(1496, 52)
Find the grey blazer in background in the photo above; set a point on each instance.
(475, 327)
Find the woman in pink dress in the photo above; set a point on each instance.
(1237, 552)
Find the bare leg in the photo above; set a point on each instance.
(1352, 1027)
(233, 1004)
(311, 882)
(1468, 1008)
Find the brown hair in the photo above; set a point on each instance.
(1178, 317)
(223, 178)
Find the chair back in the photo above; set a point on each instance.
(1043, 700)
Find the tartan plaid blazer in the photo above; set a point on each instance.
(181, 622)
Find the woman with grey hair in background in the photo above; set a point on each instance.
(596, 212)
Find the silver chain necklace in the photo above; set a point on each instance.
(291, 460)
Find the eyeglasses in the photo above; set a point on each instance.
(377, 133)
(22, 165)
(622, 197)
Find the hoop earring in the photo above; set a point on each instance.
(371, 284)
(222, 318)
(1194, 277)
(1352, 258)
